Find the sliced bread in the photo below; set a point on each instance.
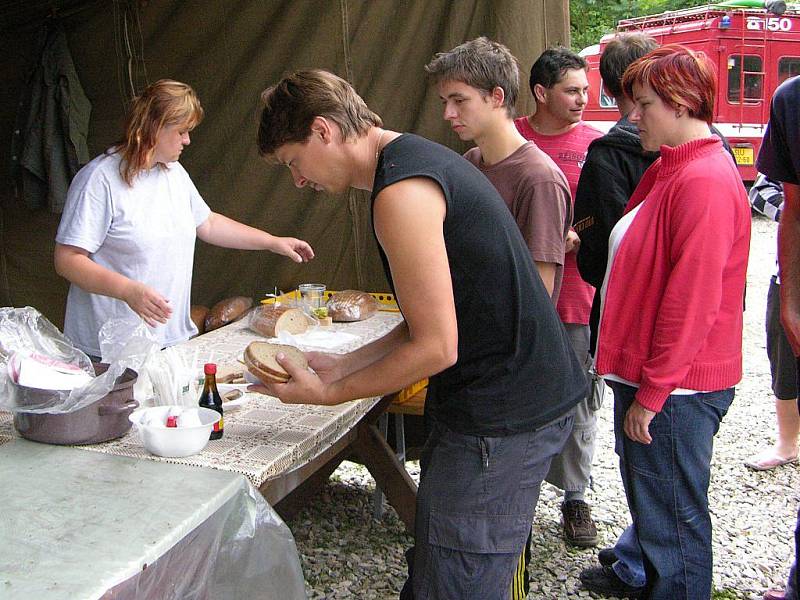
(261, 361)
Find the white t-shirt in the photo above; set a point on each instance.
(145, 232)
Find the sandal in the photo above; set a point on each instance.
(767, 459)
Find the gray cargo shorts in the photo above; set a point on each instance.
(475, 505)
(571, 470)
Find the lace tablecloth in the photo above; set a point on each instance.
(265, 437)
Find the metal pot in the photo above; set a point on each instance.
(101, 421)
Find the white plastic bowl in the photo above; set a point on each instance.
(173, 442)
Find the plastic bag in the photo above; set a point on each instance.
(172, 380)
(163, 375)
(597, 390)
(139, 349)
(128, 340)
(26, 330)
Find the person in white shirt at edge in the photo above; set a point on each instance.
(127, 234)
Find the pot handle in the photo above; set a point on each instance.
(116, 409)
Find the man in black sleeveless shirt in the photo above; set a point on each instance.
(477, 321)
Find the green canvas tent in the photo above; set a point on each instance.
(229, 50)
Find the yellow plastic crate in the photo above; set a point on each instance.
(409, 391)
(385, 300)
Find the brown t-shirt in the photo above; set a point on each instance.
(537, 194)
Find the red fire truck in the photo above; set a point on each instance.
(754, 51)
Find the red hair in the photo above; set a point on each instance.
(679, 76)
(162, 103)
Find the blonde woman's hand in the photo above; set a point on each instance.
(147, 303)
(297, 250)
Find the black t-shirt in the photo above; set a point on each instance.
(779, 157)
(516, 369)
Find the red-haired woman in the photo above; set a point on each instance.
(126, 238)
(671, 318)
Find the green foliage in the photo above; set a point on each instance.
(592, 19)
(725, 594)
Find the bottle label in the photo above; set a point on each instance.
(220, 425)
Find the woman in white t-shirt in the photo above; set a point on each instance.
(126, 238)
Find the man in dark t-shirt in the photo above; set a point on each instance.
(779, 159)
(502, 373)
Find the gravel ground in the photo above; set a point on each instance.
(347, 554)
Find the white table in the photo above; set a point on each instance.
(86, 525)
(286, 449)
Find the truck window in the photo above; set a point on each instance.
(788, 66)
(753, 78)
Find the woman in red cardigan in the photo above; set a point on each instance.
(670, 336)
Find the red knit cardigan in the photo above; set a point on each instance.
(672, 314)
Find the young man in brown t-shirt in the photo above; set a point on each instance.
(478, 84)
(482, 110)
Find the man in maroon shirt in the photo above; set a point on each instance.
(559, 86)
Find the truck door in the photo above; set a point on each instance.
(744, 102)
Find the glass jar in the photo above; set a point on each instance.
(311, 296)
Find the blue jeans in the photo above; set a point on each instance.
(630, 565)
(666, 485)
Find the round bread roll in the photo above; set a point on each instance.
(227, 311)
(351, 305)
(259, 357)
(198, 315)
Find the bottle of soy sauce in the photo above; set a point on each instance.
(210, 398)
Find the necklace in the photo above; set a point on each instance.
(378, 145)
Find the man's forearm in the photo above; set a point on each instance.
(404, 364)
(376, 350)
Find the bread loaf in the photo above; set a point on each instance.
(227, 311)
(269, 320)
(351, 305)
(198, 315)
(261, 362)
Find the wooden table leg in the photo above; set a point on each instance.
(288, 492)
(389, 473)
